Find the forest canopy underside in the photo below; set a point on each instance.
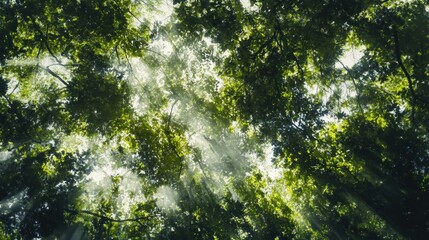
(214, 119)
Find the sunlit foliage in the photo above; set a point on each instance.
(213, 119)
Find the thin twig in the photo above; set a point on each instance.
(64, 65)
(75, 212)
(142, 23)
(266, 44)
(168, 131)
(45, 40)
(354, 83)
(295, 58)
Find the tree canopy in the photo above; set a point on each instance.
(214, 119)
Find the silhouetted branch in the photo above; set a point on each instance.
(45, 40)
(16, 86)
(401, 64)
(354, 83)
(64, 65)
(301, 71)
(75, 212)
(55, 75)
(282, 35)
(141, 22)
(266, 44)
(168, 131)
(171, 113)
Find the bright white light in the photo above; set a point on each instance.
(152, 12)
(22, 62)
(100, 181)
(138, 105)
(97, 175)
(267, 165)
(248, 6)
(34, 89)
(312, 89)
(75, 143)
(350, 57)
(159, 13)
(162, 47)
(166, 198)
(5, 155)
(327, 118)
(140, 72)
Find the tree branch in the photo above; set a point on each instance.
(168, 131)
(301, 71)
(75, 212)
(292, 54)
(55, 75)
(45, 40)
(171, 113)
(142, 23)
(401, 64)
(266, 44)
(64, 65)
(16, 86)
(354, 83)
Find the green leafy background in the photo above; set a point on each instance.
(210, 119)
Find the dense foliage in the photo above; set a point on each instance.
(224, 119)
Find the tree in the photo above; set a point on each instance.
(233, 119)
(282, 48)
